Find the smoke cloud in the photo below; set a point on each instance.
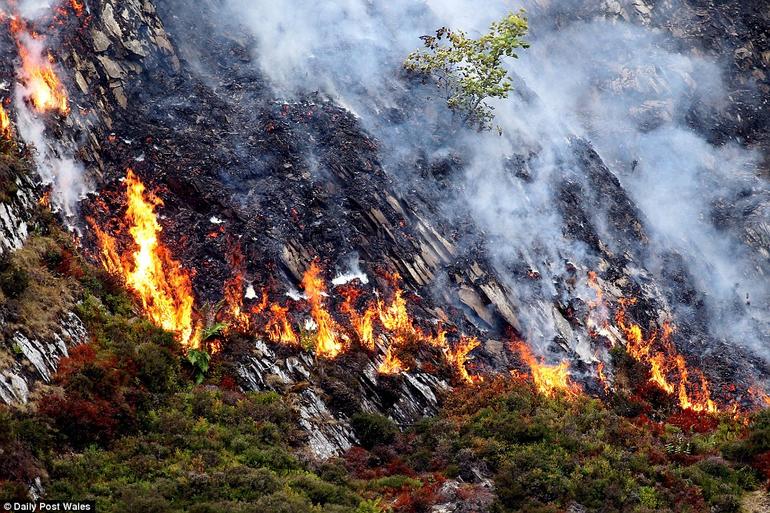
(618, 85)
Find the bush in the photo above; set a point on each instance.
(158, 368)
(14, 281)
(372, 429)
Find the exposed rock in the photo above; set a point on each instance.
(33, 361)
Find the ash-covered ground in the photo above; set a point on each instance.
(634, 147)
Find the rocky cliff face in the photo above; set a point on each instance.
(29, 358)
(290, 178)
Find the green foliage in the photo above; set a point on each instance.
(125, 426)
(757, 443)
(548, 453)
(396, 482)
(198, 453)
(12, 169)
(200, 362)
(372, 429)
(213, 331)
(468, 71)
(14, 280)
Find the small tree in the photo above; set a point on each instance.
(470, 71)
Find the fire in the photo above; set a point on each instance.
(327, 343)
(164, 289)
(363, 324)
(602, 377)
(279, 328)
(391, 365)
(5, 124)
(42, 87)
(760, 395)
(459, 357)
(77, 6)
(597, 317)
(395, 317)
(701, 403)
(550, 380)
(658, 374)
(234, 290)
(668, 368)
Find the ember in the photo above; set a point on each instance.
(77, 6)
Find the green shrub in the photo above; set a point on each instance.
(14, 281)
(373, 429)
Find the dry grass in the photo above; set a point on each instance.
(49, 296)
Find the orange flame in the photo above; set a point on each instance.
(597, 308)
(164, 289)
(658, 374)
(77, 6)
(363, 325)
(459, 356)
(391, 365)
(665, 362)
(279, 328)
(234, 290)
(327, 343)
(550, 380)
(760, 394)
(395, 316)
(602, 377)
(43, 88)
(702, 402)
(5, 124)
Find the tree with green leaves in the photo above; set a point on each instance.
(468, 72)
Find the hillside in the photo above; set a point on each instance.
(252, 263)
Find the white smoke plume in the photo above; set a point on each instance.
(618, 85)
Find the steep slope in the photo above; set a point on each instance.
(542, 235)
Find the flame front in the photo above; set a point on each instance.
(234, 289)
(327, 343)
(459, 356)
(363, 324)
(367, 319)
(550, 380)
(150, 271)
(668, 368)
(278, 327)
(391, 364)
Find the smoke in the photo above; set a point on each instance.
(352, 271)
(622, 87)
(28, 9)
(53, 160)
